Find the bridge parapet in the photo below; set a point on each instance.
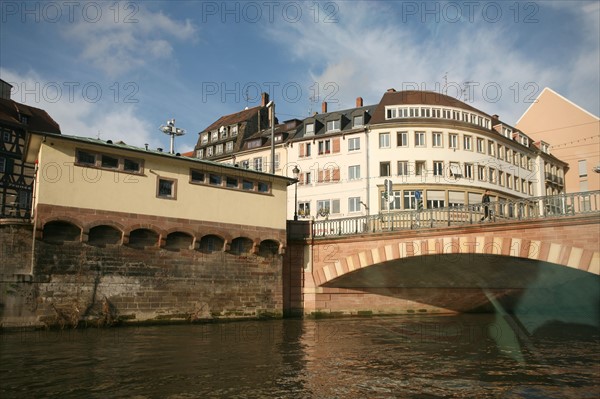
(555, 206)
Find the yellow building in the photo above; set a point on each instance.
(151, 198)
(573, 134)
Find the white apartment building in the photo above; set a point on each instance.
(427, 144)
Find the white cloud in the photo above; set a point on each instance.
(117, 45)
(370, 51)
(78, 117)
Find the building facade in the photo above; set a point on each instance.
(571, 133)
(17, 121)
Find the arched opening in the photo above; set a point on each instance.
(268, 248)
(178, 240)
(59, 231)
(141, 238)
(103, 235)
(241, 245)
(211, 243)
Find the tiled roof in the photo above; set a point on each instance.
(346, 115)
(231, 119)
(38, 120)
(415, 97)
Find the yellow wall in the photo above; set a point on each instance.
(61, 182)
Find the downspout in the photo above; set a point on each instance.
(34, 215)
(368, 179)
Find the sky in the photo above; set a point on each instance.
(119, 70)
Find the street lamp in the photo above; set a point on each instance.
(296, 172)
(172, 131)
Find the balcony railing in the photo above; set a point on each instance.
(562, 205)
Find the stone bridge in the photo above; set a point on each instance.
(550, 261)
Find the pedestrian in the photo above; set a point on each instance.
(485, 200)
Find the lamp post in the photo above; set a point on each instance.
(172, 131)
(296, 172)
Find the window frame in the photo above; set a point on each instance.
(173, 181)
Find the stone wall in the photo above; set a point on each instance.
(72, 283)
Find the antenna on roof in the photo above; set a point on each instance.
(172, 131)
(247, 97)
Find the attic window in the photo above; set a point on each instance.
(333, 125)
(254, 143)
(214, 136)
(234, 130)
(358, 121)
(278, 138)
(310, 129)
(24, 119)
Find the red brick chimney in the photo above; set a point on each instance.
(264, 100)
(324, 107)
(359, 102)
(392, 90)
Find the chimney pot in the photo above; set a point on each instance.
(324, 107)
(392, 90)
(264, 99)
(359, 102)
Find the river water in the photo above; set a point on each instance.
(465, 356)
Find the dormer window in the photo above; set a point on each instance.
(199, 153)
(254, 143)
(310, 129)
(214, 136)
(233, 130)
(24, 119)
(278, 138)
(223, 132)
(358, 121)
(390, 113)
(204, 138)
(333, 125)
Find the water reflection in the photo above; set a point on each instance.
(425, 357)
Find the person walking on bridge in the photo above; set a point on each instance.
(485, 200)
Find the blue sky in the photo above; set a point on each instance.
(120, 70)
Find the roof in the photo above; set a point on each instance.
(417, 97)
(38, 119)
(231, 119)
(35, 140)
(346, 123)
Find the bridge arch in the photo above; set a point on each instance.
(562, 254)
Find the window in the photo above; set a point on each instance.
(218, 149)
(481, 173)
(453, 138)
(384, 169)
(469, 171)
(7, 136)
(436, 138)
(223, 133)
(455, 170)
(467, 143)
(303, 209)
(2, 164)
(508, 155)
(354, 144)
(166, 188)
(229, 146)
(197, 177)
(402, 139)
(384, 140)
(333, 125)
(435, 203)
(310, 129)
(324, 147)
(402, 168)
(214, 136)
(501, 151)
(509, 181)
(307, 151)
(501, 178)
(354, 172)
(231, 182)
(419, 139)
(308, 179)
(215, 180)
(420, 168)
(410, 201)
(390, 113)
(358, 121)
(200, 153)
(209, 151)
(354, 204)
(254, 143)
(257, 164)
(327, 207)
(481, 146)
(492, 175)
(582, 168)
(234, 130)
(277, 161)
(85, 158)
(263, 187)
(517, 185)
(491, 148)
(247, 185)
(204, 138)
(131, 166)
(516, 158)
(438, 168)
(245, 164)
